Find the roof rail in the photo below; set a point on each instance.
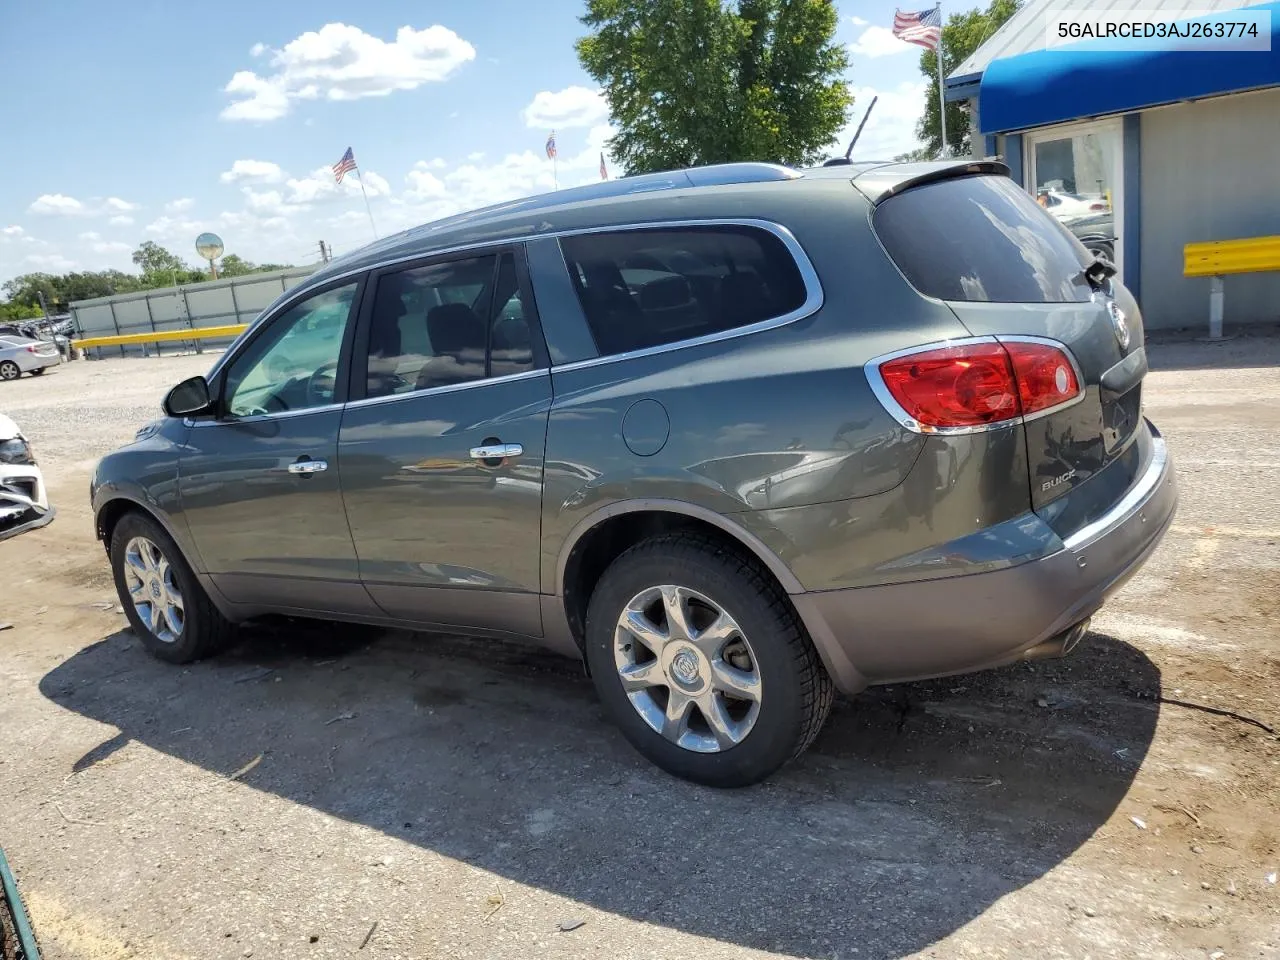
(708, 176)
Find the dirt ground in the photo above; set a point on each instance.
(320, 794)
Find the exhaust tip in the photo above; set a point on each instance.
(1058, 646)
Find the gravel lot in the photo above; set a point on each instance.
(429, 797)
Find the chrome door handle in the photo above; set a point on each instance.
(497, 451)
(307, 467)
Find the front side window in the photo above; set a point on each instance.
(645, 288)
(293, 364)
(446, 324)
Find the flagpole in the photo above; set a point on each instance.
(368, 209)
(942, 99)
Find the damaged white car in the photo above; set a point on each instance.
(24, 501)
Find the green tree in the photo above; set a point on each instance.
(153, 258)
(18, 311)
(962, 35)
(232, 265)
(693, 82)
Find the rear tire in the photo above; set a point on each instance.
(10, 370)
(751, 693)
(166, 606)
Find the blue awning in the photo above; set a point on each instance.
(1097, 78)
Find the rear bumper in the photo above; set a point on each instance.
(930, 628)
(37, 362)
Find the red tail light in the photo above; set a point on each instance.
(34, 348)
(974, 385)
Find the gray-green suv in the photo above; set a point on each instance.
(736, 436)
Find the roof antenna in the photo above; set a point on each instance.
(841, 161)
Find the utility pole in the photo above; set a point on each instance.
(325, 253)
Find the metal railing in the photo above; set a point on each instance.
(1216, 259)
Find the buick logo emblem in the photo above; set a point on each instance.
(1118, 324)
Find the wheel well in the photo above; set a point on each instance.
(609, 539)
(110, 516)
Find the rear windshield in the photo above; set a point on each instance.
(981, 239)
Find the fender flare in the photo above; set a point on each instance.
(757, 547)
(115, 494)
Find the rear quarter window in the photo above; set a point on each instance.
(981, 239)
(645, 288)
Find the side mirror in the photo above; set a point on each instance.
(188, 399)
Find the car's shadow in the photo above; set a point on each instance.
(918, 808)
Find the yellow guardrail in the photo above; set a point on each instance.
(161, 336)
(1218, 258)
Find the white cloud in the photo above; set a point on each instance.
(879, 42)
(266, 201)
(91, 235)
(891, 128)
(342, 62)
(257, 50)
(51, 262)
(858, 21)
(259, 171)
(177, 206)
(174, 228)
(13, 231)
(120, 221)
(570, 107)
(473, 157)
(320, 186)
(57, 204)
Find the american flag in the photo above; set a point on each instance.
(604, 171)
(344, 166)
(551, 146)
(922, 27)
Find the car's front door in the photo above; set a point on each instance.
(443, 442)
(259, 481)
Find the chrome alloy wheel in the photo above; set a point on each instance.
(148, 576)
(687, 669)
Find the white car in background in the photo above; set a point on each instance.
(19, 355)
(1070, 206)
(24, 501)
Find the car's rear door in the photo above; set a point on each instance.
(442, 446)
(259, 482)
(1009, 270)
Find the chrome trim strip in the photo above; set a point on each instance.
(263, 418)
(895, 409)
(1127, 504)
(449, 388)
(813, 287)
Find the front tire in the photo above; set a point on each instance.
(701, 661)
(39, 371)
(166, 606)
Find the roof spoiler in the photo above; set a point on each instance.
(880, 183)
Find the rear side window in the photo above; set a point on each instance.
(647, 288)
(981, 239)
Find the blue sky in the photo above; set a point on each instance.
(152, 120)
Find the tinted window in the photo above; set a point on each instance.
(645, 288)
(447, 323)
(293, 364)
(982, 239)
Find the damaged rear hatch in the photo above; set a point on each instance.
(1011, 273)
